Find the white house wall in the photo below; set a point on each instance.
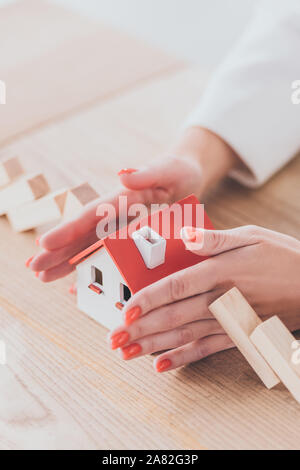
(100, 307)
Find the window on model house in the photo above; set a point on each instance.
(96, 284)
(97, 276)
(125, 293)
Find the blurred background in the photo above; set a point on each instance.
(207, 28)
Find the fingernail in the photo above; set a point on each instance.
(118, 340)
(127, 171)
(132, 315)
(163, 365)
(130, 351)
(73, 289)
(36, 274)
(189, 233)
(37, 241)
(27, 263)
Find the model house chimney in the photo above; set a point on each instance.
(151, 246)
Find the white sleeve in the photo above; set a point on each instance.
(249, 100)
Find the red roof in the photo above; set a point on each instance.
(129, 261)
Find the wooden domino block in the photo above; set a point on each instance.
(239, 320)
(275, 342)
(41, 212)
(24, 190)
(10, 170)
(77, 198)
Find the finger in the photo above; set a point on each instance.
(73, 289)
(212, 242)
(192, 352)
(55, 273)
(68, 232)
(49, 259)
(197, 279)
(171, 339)
(171, 316)
(160, 173)
(139, 179)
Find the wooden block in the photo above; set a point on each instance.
(10, 170)
(239, 320)
(77, 198)
(275, 342)
(24, 190)
(34, 214)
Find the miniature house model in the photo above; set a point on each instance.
(113, 269)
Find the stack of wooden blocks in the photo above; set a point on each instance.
(268, 346)
(29, 203)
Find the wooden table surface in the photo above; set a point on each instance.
(62, 387)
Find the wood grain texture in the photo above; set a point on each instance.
(49, 78)
(123, 131)
(62, 387)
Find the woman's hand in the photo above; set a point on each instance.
(173, 314)
(163, 182)
(198, 160)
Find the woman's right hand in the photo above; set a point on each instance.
(165, 181)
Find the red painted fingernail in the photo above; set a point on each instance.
(118, 340)
(127, 171)
(130, 351)
(37, 241)
(36, 274)
(27, 263)
(73, 289)
(163, 365)
(132, 315)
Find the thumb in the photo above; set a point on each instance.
(161, 173)
(139, 179)
(212, 242)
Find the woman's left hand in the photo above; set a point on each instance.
(173, 314)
